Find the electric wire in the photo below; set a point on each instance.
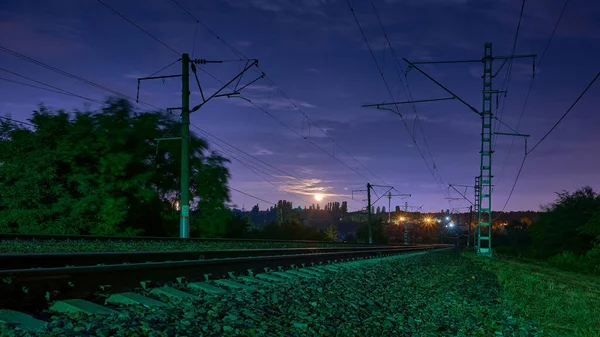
(407, 91)
(252, 196)
(509, 70)
(163, 68)
(566, 113)
(232, 48)
(75, 77)
(265, 165)
(322, 130)
(292, 129)
(235, 51)
(167, 46)
(139, 27)
(16, 121)
(272, 83)
(51, 90)
(255, 170)
(527, 95)
(32, 125)
(546, 135)
(390, 93)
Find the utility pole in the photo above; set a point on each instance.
(369, 217)
(390, 207)
(477, 206)
(484, 208)
(390, 195)
(369, 203)
(406, 224)
(186, 63)
(184, 221)
(470, 223)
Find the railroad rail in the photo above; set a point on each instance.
(27, 288)
(48, 237)
(52, 260)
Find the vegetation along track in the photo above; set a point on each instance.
(31, 289)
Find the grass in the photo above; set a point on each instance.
(562, 303)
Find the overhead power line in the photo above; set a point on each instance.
(407, 92)
(292, 129)
(510, 67)
(75, 77)
(140, 28)
(254, 169)
(566, 113)
(252, 196)
(539, 64)
(231, 188)
(547, 134)
(16, 121)
(397, 111)
(50, 88)
(283, 93)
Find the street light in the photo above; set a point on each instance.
(402, 218)
(447, 218)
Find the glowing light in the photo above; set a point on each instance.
(451, 224)
(318, 197)
(447, 218)
(402, 218)
(427, 220)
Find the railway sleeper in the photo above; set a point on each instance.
(157, 297)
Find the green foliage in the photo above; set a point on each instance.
(567, 260)
(562, 303)
(567, 225)
(592, 226)
(331, 233)
(103, 173)
(588, 262)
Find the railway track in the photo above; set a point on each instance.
(53, 260)
(48, 237)
(31, 289)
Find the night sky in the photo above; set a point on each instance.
(313, 51)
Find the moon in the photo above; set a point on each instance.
(318, 197)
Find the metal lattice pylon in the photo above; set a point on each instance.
(477, 204)
(484, 209)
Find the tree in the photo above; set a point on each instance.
(103, 173)
(344, 208)
(565, 224)
(378, 210)
(331, 233)
(238, 226)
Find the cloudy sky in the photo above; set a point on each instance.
(302, 130)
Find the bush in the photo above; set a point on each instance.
(592, 259)
(567, 260)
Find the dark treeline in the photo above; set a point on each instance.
(566, 234)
